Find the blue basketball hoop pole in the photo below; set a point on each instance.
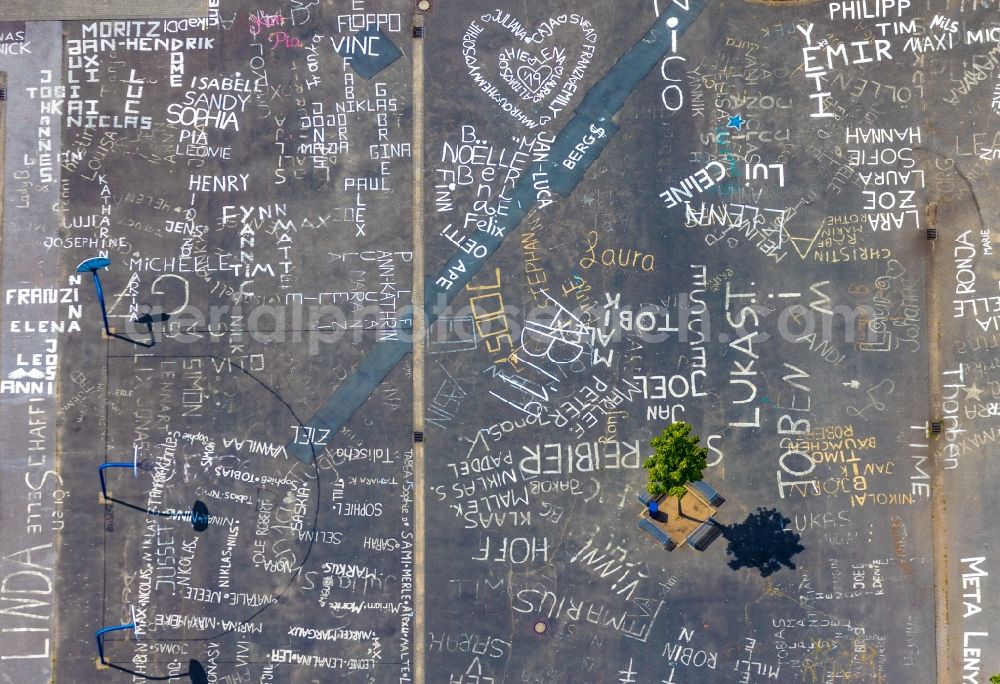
(99, 636)
(93, 265)
(134, 465)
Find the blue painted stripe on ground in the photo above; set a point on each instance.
(591, 136)
(354, 391)
(598, 107)
(370, 51)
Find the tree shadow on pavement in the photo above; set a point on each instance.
(762, 542)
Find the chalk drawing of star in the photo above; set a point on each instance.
(736, 122)
(973, 393)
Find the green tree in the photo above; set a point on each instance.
(995, 679)
(677, 460)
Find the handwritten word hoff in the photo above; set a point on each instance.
(516, 550)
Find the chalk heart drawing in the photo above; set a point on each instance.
(894, 269)
(535, 79)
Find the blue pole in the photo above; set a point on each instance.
(94, 264)
(100, 637)
(120, 464)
